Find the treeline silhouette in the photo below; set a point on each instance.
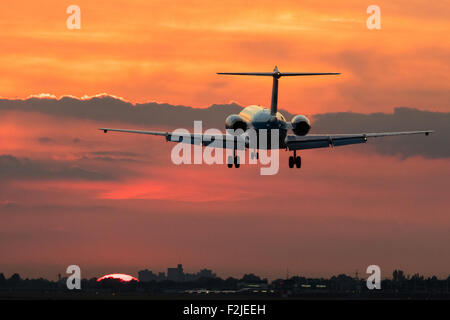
(399, 286)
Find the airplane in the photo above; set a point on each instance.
(259, 118)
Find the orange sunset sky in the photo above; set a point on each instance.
(169, 51)
(115, 203)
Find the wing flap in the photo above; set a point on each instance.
(346, 141)
(308, 144)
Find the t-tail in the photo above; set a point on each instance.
(276, 74)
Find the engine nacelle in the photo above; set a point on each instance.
(235, 122)
(300, 125)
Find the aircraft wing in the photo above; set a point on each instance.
(322, 141)
(211, 140)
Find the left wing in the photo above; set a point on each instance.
(211, 140)
(322, 141)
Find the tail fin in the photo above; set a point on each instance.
(276, 74)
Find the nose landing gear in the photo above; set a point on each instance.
(295, 160)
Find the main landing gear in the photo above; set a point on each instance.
(297, 160)
(237, 161)
(233, 160)
(293, 160)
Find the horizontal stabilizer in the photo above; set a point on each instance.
(279, 74)
(276, 74)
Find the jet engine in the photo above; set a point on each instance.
(300, 125)
(235, 122)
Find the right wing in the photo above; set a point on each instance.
(209, 140)
(322, 141)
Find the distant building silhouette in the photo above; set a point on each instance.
(175, 274)
(147, 276)
(206, 273)
(341, 286)
(161, 276)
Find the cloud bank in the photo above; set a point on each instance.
(109, 111)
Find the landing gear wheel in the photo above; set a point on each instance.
(237, 162)
(291, 162)
(298, 162)
(254, 155)
(230, 162)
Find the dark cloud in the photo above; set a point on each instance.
(403, 119)
(109, 159)
(112, 156)
(114, 153)
(16, 168)
(108, 109)
(45, 140)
